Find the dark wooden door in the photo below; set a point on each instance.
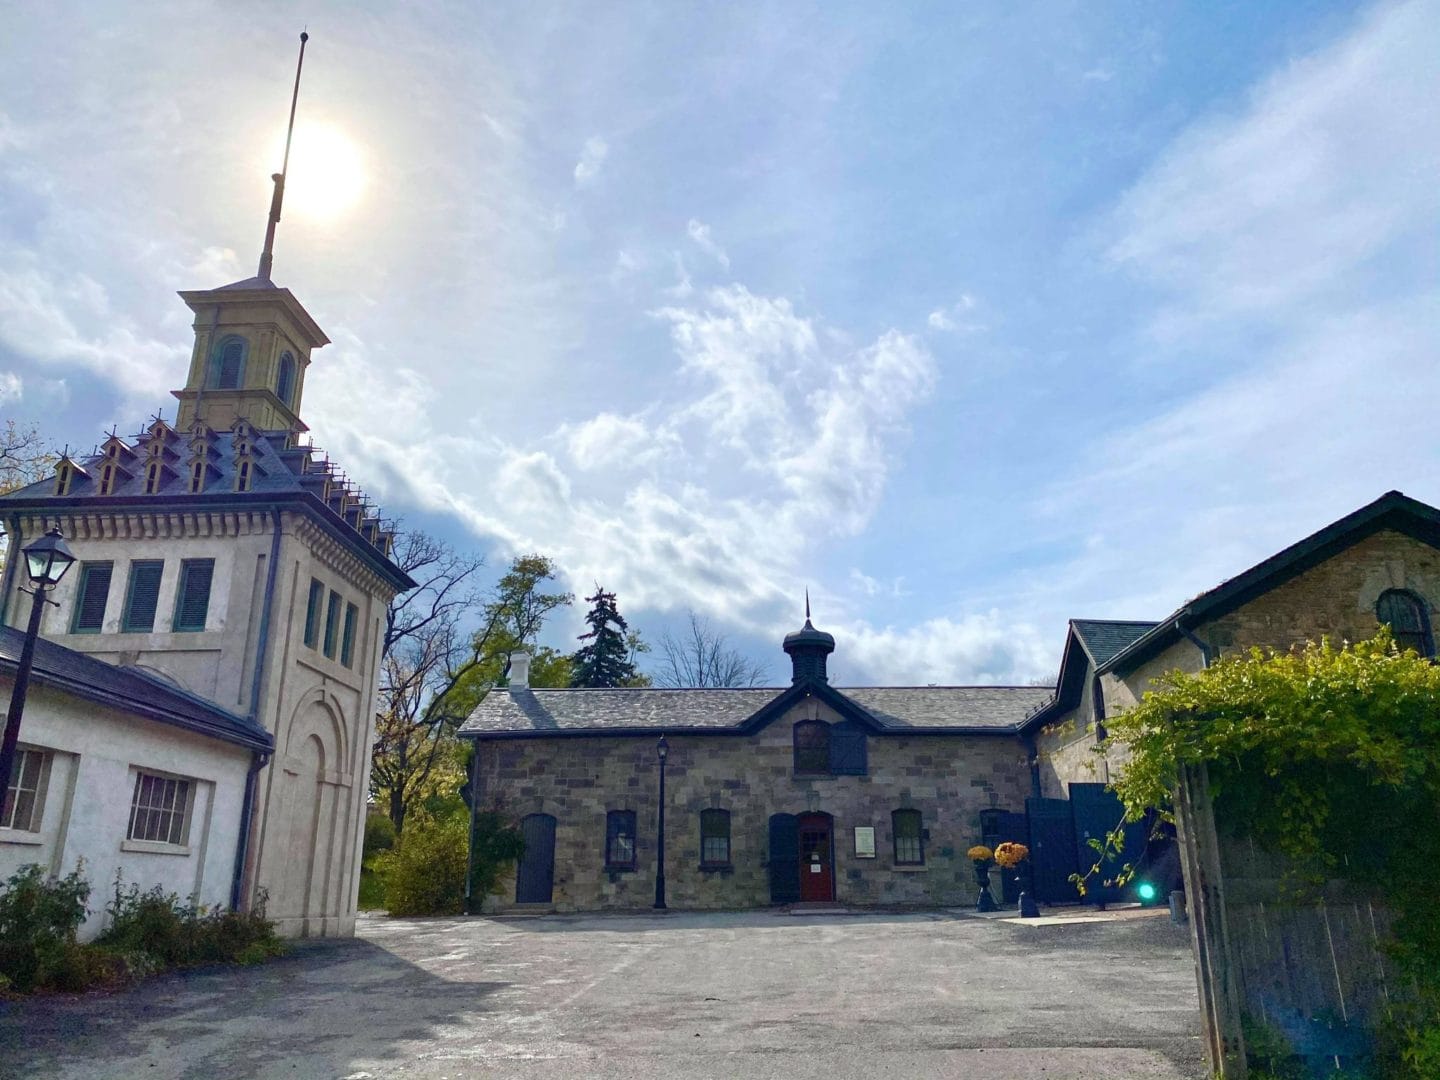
(817, 858)
(1052, 850)
(1097, 812)
(784, 859)
(535, 876)
(998, 827)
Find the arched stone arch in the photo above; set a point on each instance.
(319, 712)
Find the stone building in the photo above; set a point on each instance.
(229, 560)
(872, 795)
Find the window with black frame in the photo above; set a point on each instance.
(620, 840)
(1409, 622)
(714, 837)
(812, 748)
(909, 838)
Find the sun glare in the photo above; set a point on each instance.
(327, 172)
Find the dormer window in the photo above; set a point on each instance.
(285, 379)
(64, 473)
(153, 477)
(107, 478)
(227, 368)
(1409, 620)
(242, 477)
(197, 478)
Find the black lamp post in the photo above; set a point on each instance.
(46, 561)
(662, 751)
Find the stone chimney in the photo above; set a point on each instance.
(519, 671)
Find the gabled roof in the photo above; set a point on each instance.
(130, 690)
(1393, 511)
(1103, 638)
(1088, 644)
(896, 710)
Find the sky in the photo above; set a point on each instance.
(969, 318)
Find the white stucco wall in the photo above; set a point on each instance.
(86, 809)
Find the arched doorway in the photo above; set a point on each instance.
(535, 876)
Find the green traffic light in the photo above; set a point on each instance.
(1146, 892)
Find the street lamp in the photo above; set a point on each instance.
(46, 561)
(662, 751)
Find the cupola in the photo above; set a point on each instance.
(808, 648)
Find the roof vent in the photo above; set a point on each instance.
(519, 671)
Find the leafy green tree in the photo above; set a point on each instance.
(607, 658)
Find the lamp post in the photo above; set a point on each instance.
(662, 751)
(46, 561)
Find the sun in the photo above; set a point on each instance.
(326, 177)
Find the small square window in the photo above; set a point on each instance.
(160, 810)
(715, 837)
(909, 840)
(620, 840)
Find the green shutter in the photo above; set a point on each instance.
(192, 599)
(89, 616)
(347, 642)
(142, 595)
(332, 624)
(312, 613)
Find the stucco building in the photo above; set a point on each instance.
(227, 559)
(872, 795)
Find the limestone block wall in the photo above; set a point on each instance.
(949, 779)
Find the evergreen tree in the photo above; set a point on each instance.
(605, 660)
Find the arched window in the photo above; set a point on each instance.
(227, 369)
(812, 748)
(909, 838)
(285, 381)
(620, 840)
(1409, 622)
(714, 837)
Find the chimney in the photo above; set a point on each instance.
(519, 671)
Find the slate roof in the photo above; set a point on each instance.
(1103, 638)
(130, 690)
(897, 709)
(280, 471)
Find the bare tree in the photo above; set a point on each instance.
(703, 656)
(434, 670)
(24, 458)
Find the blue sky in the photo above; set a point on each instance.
(969, 318)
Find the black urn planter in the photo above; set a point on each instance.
(1028, 908)
(984, 902)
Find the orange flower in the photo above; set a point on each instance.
(1011, 855)
(980, 853)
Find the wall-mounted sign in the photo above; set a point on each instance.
(864, 841)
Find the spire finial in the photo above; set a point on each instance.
(807, 605)
(267, 254)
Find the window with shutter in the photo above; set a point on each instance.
(620, 840)
(90, 597)
(312, 613)
(847, 749)
(714, 837)
(142, 595)
(909, 839)
(229, 368)
(332, 624)
(812, 748)
(1405, 614)
(347, 640)
(192, 600)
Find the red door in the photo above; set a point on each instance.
(817, 859)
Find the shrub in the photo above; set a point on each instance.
(498, 842)
(38, 919)
(425, 872)
(379, 835)
(154, 928)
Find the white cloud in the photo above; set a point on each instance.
(12, 388)
(980, 648)
(592, 159)
(701, 236)
(954, 318)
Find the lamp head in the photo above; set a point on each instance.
(663, 749)
(47, 559)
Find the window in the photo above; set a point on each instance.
(142, 595)
(909, 840)
(620, 840)
(227, 372)
(312, 613)
(332, 623)
(1409, 622)
(197, 478)
(714, 837)
(812, 748)
(192, 599)
(25, 797)
(160, 810)
(107, 478)
(90, 597)
(347, 640)
(242, 477)
(63, 473)
(285, 383)
(153, 477)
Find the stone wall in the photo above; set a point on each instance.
(949, 779)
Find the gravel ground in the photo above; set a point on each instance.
(753, 994)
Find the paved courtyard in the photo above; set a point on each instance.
(756, 995)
